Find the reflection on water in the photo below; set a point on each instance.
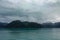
(41, 34)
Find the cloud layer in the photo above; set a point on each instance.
(30, 10)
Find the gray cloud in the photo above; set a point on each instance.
(36, 11)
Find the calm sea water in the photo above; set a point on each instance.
(40, 34)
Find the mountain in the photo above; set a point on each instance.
(3, 25)
(19, 24)
(26, 24)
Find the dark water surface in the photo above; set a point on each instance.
(40, 34)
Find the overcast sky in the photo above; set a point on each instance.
(30, 10)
